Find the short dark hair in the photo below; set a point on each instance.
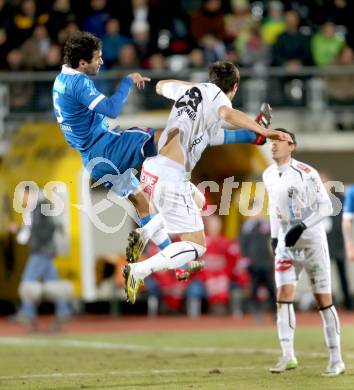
(292, 135)
(224, 74)
(80, 46)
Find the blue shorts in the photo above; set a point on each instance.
(121, 151)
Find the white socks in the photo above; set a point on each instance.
(160, 237)
(286, 324)
(331, 330)
(173, 256)
(286, 328)
(150, 228)
(154, 230)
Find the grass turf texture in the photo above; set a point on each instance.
(168, 360)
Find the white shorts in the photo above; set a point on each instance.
(289, 264)
(172, 195)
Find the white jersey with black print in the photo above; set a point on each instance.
(296, 194)
(195, 114)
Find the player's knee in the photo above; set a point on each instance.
(31, 291)
(58, 290)
(183, 247)
(324, 300)
(199, 249)
(286, 293)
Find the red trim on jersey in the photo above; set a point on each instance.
(303, 167)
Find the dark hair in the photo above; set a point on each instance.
(292, 135)
(80, 46)
(224, 74)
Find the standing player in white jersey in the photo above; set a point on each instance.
(298, 202)
(197, 119)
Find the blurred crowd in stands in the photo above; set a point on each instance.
(175, 34)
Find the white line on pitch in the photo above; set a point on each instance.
(120, 373)
(68, 343)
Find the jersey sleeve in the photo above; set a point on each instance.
(89, 96)
(317, 191)
(319, 200)
(348, 207)
(86, 93)
(219, 100)
(174, 91)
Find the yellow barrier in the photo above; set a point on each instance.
(39, 153)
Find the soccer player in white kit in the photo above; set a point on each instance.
(298, 202)
(197, 119)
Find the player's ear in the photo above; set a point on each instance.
(82, 62)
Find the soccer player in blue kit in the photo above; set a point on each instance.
(347, 222)
(83, 114)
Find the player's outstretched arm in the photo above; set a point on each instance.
(319, 198)
(227, 135)
(162, 83)
(112, 106)
(239, 119)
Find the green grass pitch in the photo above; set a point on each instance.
(227, 359)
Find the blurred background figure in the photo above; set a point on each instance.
(213, 282)
(112, 43)
(292, 49)
(274, 23)
(208, 30)
(40, 279)
(333, 226)
(340, 89)
(96, 18)
(326, 45)
(38, 43)
(254, 240)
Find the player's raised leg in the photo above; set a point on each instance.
(152, 227)
(174, 256)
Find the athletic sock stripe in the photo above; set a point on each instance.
(195, 250)
(289, 317)
(335, 320)
(326, 307)
(180, 253)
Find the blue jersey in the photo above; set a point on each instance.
(81, 110)
(348, 207)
